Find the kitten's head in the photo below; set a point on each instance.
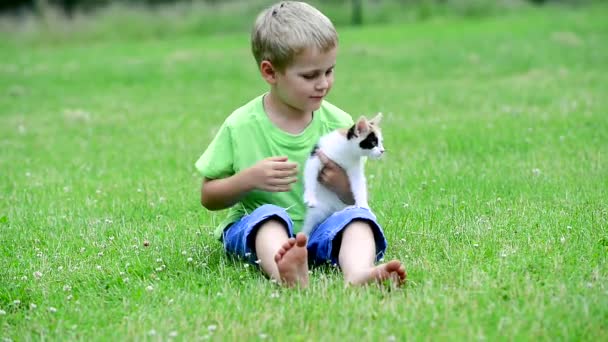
(367, 136)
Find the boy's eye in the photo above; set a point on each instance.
(309, 76)
(328, 72)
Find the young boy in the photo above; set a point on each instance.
(253, 164)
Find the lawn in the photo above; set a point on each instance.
(494, 192)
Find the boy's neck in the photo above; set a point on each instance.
(285, 117)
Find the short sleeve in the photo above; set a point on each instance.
(218, 159)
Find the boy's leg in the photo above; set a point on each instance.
(357, 255)
(353, 239)
(264, 235)
(282, 258)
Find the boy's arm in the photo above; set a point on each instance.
(274, 174)
(218, 194)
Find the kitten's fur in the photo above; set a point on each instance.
(347, 148)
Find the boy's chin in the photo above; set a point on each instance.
(314, 107)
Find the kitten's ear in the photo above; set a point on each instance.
(362, 126)
(376, 120)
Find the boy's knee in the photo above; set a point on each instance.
(273, 223)
(359, 226)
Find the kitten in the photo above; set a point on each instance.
(347, 148)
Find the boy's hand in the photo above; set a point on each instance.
(333, 177)
(274, 174)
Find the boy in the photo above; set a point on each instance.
(252, 165)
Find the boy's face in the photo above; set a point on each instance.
(307, 80)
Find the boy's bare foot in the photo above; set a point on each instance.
(392, 270)
(292, 262)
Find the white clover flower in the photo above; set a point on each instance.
(33, 306)
(149, 288)
(67, 288)
(212, 327)
(152, 332)
(37, 274)
(189, 260)
(52, 309)
(173, 334)
(536, 171)
(2, 312)
(184, 253)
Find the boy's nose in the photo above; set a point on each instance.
(322, 84)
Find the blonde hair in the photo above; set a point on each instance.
(287, 28)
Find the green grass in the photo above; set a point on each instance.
(494, 191)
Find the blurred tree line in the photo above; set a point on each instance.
(70, 6)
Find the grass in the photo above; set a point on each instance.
(494, 193)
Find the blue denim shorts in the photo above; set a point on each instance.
(238, 238)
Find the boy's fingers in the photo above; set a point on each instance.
(280, 188)
(284, 181)
(285, 165)
(326, 161)
(285, 173)
(278, 158)
(322, 157)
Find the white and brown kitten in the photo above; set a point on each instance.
(347, 148)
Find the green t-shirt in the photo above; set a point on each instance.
(248, 136)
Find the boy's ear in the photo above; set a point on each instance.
(376, 120)
(268, 72)
(362, 126)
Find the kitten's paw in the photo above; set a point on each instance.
(310, 201)
(364, 205)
